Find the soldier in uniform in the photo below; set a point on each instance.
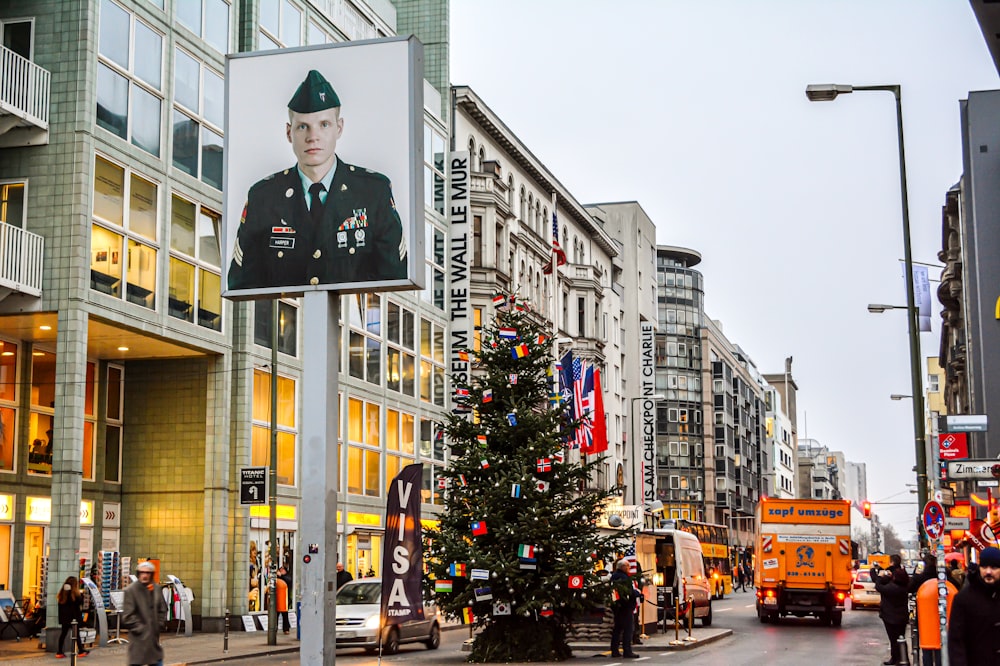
(321, 221)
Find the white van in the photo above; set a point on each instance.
(675, 557)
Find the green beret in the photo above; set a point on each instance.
(313, 94)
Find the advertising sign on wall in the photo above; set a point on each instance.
(459, 279)
(323, 169)
(953, 445)
(647, 412)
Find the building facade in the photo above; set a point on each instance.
(780, 480)
(131, 394)
(820, 471)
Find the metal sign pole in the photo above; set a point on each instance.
(318, 535)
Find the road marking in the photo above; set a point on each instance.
(750, 606)
(722, 610)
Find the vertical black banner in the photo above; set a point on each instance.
(402, 555)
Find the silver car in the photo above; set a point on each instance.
(358, 620)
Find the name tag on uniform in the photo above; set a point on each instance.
(282, 243)
(282, 230)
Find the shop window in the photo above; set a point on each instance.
(261, 429)
(121, 238)
(195, 285)
(199, 98)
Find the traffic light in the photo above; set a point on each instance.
(866, 509)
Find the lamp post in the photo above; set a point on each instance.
(631, 431)
(827, 93)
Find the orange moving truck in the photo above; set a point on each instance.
(803, 558)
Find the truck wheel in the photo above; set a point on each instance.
(824, 619)
(706, 621)
(837, 618)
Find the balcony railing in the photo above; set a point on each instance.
(20, 261)
(24, 89)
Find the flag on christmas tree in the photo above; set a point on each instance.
(526, 551)
(463, 356)
(515, 490)
(487, 395)
(519, 351)
(467, 617)
(499, 300)
(484, 463)
(456, 569)
(512, 419)
(544, 464)
(461, 480)
(483, 594)
(508, 333)
(478, 528)
(481, 440)
(461, 393)
(513, 379)
(540, 340)
(442, 586)
(542, 486)
(480, 574)
(575, 583)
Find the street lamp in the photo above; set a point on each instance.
(631, 431)
(827, 93)
(879, 308)
(899, 396)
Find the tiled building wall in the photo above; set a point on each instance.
(428, 20)
(163, 466)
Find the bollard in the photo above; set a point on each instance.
(904, 650)
(690, 619)
(73, 637)
(225, 635)
(677, 629)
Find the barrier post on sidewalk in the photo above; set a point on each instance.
(73, 637)
(225, 635)
(690, 619)
(677, 628)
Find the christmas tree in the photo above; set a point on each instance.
(517, 545)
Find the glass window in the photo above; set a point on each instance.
(116, 388)
(182, 224)
(217, 25)
(7, 438)
(372, 486)
(114, 34)
(146, 121)
(112, 101)
(142, 207)
(185, 155)
(260, 432)
(270, 11)
(40, 435)
(215, 92)
(149, 44)
(287, 325)
(8, 371)
(211, 158)
(12, 204)
(187, 80)
(181, 293)
(189, 14)
(112, 453)
(291, 24)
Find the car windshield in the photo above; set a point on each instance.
(359, 593)
(864, 576)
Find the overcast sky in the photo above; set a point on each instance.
(697, 111)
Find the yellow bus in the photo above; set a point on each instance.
(715, 551)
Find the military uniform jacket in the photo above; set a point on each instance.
(358, 238)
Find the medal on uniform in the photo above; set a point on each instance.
(359, 237)
(361, 215)
(341, 239)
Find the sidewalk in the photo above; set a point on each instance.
(178, 650)
(661, 642)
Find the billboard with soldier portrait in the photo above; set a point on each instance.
(323, 179)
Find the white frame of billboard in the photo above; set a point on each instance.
(410, 207)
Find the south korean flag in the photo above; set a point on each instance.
(501, 608)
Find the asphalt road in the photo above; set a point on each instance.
(794, 642)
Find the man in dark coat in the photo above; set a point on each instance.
(322, 221)
(343, 577)
(974, 628)
(892, 609)
(623, 606)
(144, 613)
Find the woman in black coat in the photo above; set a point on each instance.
(892, 609)
(70, 608)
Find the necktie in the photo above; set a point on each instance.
(316, 205)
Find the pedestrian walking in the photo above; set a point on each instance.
(973, 638)
(741, 577)
(70, 608)
(624, 596)
(144, 613)
(892, 608)
(343, 576)
(955, 573)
